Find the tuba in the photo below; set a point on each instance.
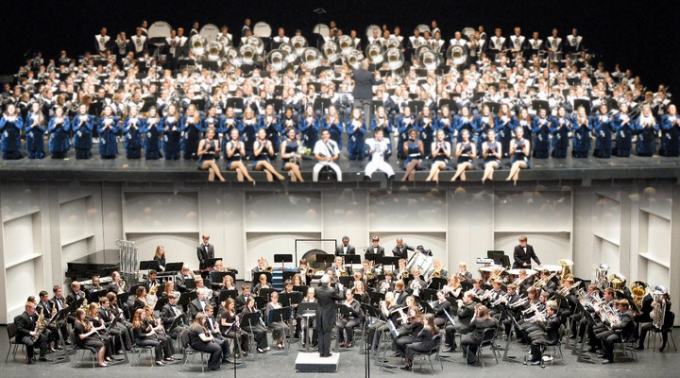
(276, 59)
(457, 55)
(311, 58)
(330, 51)
(197, 44)
(429, 59)
(233, 56)
(248, 54)
(392, 43)
(639, 291)
(659, 312)
(566, 267)
(224, 41)
(394, 58)
(618, 281)
(354, 59)
(601, 276)
(299, 44)
(287, 48)
(374, 53)
(257, 43)
(214, 51)
(346, 44)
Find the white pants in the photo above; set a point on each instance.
(319, 166)
(382, 166)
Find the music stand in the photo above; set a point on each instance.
(236, 103)
(389, 260)
(477, 96)
(149, 265)
(283, 258)
(352, 259)
(160, 303)
(437, 283)
(210, 263)
(281, 315)
(216, 278)
(322, 104)
(326, 259)
(426, 307)
(453, 107)
(94, 296)
(493, 107)
(301, 289)
(256, 277)
(372, 257)
(278, 104)
(260, 302)
(288, 275)
(148, 103)
(95, 109)
(581, 102)
(190, 283)
(345, 281)
(174, 267)
(376, 297)
(495, 255)
(224, 294)
(429, 294)
(290, 299)
(199, 103)
(375, 104)
(122, 299)
(540, 104)
(612, 104)
(416, 107)
(266, 293)
(421, 73)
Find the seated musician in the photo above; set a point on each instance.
(379, 325)
(304, 324)
(347, 323)
(470, 341)
(387, 284)
(279, 328)
(439, 307)
(159, 330)
(361, 292)
(98, 323)
(198, 305)
(549, 334)
(168, 289)
(495, 305)
(399, 293)
(145, 335)
(425, 341)
(416, 284)
(443, 273)
(262, 284)
(463, 274)
(27, 334)
(453, 288)
(411, 325)
(171, 314)
(465, 312)
(259, 331)
(231, 328)
(600, 326)
(200, 339)
(662, 318)
(261, 265)
(510, 303)
(86, 336)
(620, 331)
(180, 280)
(228, 283)
(140, 297)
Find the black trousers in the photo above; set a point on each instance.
(215, 352)
(30, 344)
(325, 342)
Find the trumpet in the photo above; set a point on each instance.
(538, 317)
(532, 308)
(501, 299)
(520, 302)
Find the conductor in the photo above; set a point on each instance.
(523, 254)
(325, 314)
(363, 88)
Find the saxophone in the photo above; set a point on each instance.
(40, 324)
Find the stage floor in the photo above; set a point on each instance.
(275, 365)
(122, 169)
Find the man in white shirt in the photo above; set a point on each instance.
(380, 150)
(326, 152)
(102, 42)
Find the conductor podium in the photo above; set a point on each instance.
(313, 363)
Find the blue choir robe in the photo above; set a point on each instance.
(404, 126)
(133, 136)
(34, 135)
(108, 144)
(152, 137)
(527, 127)
(646, 140)
(624, 135)
(560, 129)
(172, 139)
(482, 126)
(356, 139)
(59, 134)
(581, 138)
(82, 126)
(11, 134)
(461, 124)
(504, 128)
(309, 127)
(191, 135)
(273, 130)
(446, 124)
(603, 135)
(212, 121)
(670, 138)
(541, 132)
(250, 128)
(337, 128)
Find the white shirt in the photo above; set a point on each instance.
(379, 148)
(321, 148)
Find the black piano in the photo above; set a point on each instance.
(100, 263)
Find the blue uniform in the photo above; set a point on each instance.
(108, 144)
(237, 153)
(603, 139)
(11, 138)
(59, 137)
(82, 126)
(191, 136)
(404, 125)
(465, 154)
(35, 136)
(490, 158)
(291, 147)
(172, 139)
(273, 131)
(624, 135)
(581, 147)
(519, 154)
(208, 155)
(449, 129)
(541, 132)
(227, 124)
(310, 131)
(288, 123)
(482, 127)
(133, 137)
(646, 142)
(670, 139)
(336, 128)
(426, 135)
(464, 124)
(412, 153)
(152, 140)
(504, 133)
(250, 128)
(387, 125)
(356, 140)
(560, 129)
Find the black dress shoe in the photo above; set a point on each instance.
(407, 367)
(30, 361)
(44, 359)
(663, 346)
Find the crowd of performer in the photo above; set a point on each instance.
(460, 112)
(400, 310)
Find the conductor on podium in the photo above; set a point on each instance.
(325, 314)
(363, 88)
(523, 255)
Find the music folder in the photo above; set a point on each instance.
(250, 318)
(307, 307)
(322, 104)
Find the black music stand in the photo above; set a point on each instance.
(93, 296)
(256, 277)
(210, 263)
(495, 255)
(581, 102)
(493, 107)
(160, 303)
(429, 294)
(224, 294)
(216, 278)
(322, 104)
(283, 259)
(372, 257)
(148, 103)
(190, 283)
(437, 283)
(122, 299)
(376, 298)
(326, 259)
(540, 104)
(236, 103)
(389, 260)
(346, 281)
(317, 86)
(266, 293)
(307, 310)
(427, 309)
(352, 259)
(278, 104)
(290, 299)
(375, 104)
(477, 96)
(453, 107)
(288, 275)
(250, 320)
(174, 267)
(149, 265)
(260, 302)
(416, 107)
(301, 289)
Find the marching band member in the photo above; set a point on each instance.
(582, 129)
(492, 152)
(518, 42)
(152, 135)
(404, 125)
(271, 123)
(138, 42)
(290, 159)
(381, 120)
(82, 125)
(102, 42)
(425, 125)
(602, 124)
(505, 124)
(441, 152)
(575, 42)
(326, 151)
(466, 152)
(380, 150)
(541, 132)
(519, 150)
(646, 129)
(334, 124)
(465, 121)
(108, 128)
(497, 45)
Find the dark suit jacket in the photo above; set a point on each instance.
(168, 316)
(204, 254)
(522, 257)
(381, 250)
(326, 313)
(25, 325)
(340, 249)
(402, 252)
(195, 306)
(363, 82)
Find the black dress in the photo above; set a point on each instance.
(92, 342)
(210, 347)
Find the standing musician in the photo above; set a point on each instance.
(30, 335)
(205, 251)
(497, 44)
(375, 247)
(345, 248)
(523, 254)
(325, 314)
(102, 42)
(401, 249)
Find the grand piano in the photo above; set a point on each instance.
(101, 263)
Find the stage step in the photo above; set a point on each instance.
(313, 363)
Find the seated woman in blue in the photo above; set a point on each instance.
(270, 122)
(334, 124)
(404, 125)
(413, 149)
(441, 153)
(10, 127)
(152, 132)
(670, 124)
(262, 150)
(426, 127)
(108, 128)
(133, 128)
(561, 127)
(172, 139)
(234, 151)
(505, 123)
(356, 130)
(541, 131)
(291, 160)
(519, 150)
(208, 149)
(492, 151)
(82, 126)
(35, 132)
(624, 126)
(646, 129)
(466, 152)
(309, 127)
(582, 129)
(603, 126)
(191, 127)
(59, 127)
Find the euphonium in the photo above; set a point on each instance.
(436, 274)
(269, 269)
(638, 291)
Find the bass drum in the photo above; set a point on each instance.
(210, 32)
(322, 29)
(311, 257)
(158, 32)
(262, 30)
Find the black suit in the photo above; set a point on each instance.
(25, 325)
(380, 251)
(204, 252)
(522, 257)
(363, 91)
(340, 250)
(326, 317)
(402, 252)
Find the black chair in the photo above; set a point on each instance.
(437, 339)
(79, 361)
(667, 327)
(556, 346)
(187, 350)
(488, 340)
(13, 343)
